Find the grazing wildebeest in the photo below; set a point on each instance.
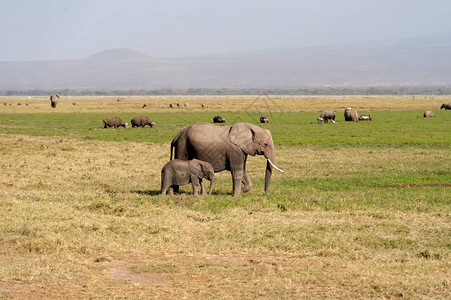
(264, 119)
(114, 122)
(326, 116)
(428, 114)
(366, 118)
(141, 122)
(351, 115)
(218, 119)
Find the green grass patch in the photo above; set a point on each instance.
(388, 127)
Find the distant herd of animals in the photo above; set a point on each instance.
(327, 115)
(142, 121)
(172, 105)
(350, 115)
(202, 149)
(117, 122)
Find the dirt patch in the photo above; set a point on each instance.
(122, 270)
(165, 270)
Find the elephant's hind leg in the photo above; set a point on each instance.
(164, 189)
(173, 189)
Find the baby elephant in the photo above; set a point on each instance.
(141, 122)
(114, 122)
(180, 172)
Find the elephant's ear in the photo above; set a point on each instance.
(206, 168)
(242, 135)
(195, 168)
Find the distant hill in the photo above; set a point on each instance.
(422, 61)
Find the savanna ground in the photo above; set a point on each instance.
(362, 210)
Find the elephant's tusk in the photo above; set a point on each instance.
(274, 166)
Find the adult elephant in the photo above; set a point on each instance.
(227, 148)
(54, 100)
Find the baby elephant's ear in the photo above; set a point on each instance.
(207, 169)
(195, 168)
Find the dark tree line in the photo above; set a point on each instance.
(229, 91)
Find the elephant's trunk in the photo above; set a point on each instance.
(268, 176)
(270, 156)
(269, 165)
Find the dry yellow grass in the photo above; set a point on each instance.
(83, 219)
(273, 103)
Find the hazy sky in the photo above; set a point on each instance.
(69, 29)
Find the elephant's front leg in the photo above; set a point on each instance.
(247, 183)
(202, 190)
(237, 178)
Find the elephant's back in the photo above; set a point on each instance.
(208, 134)
(210, 143)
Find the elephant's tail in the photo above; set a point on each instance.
(173, 143)
(172, 150)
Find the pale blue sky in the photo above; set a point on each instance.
(69, 29)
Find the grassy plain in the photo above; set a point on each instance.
(363, 210)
